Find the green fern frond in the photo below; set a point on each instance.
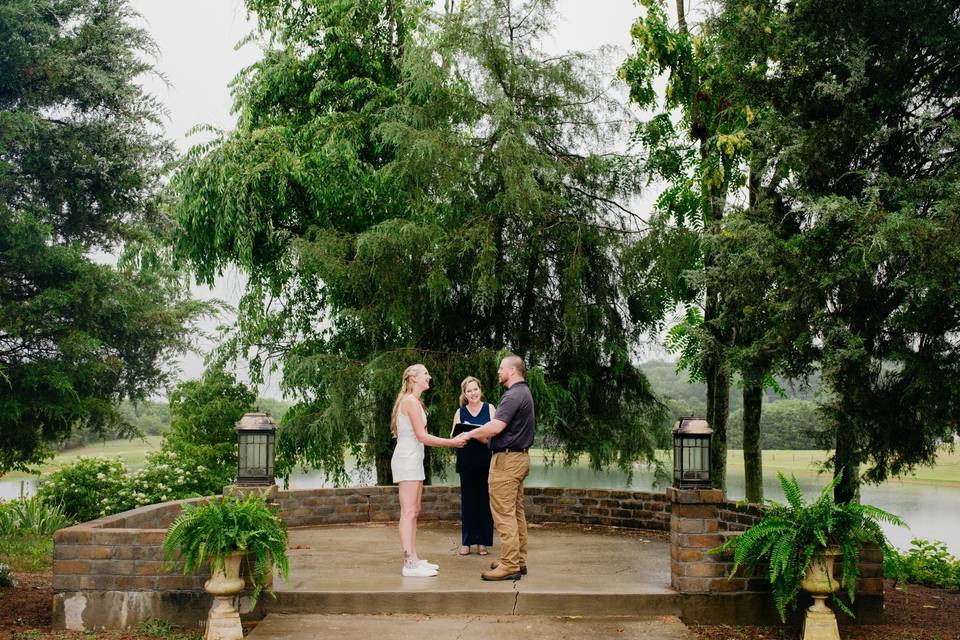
(878, 514)
(791, 490)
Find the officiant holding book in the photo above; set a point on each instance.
(473, 465)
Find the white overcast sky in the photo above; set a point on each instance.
(197, 58)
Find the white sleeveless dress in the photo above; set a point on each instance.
(407, 461)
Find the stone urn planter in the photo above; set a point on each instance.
(213, 533)
(798, 534)
(223, 621)
(820, 623)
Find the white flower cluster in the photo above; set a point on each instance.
(96, 487)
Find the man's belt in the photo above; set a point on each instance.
(509, 450)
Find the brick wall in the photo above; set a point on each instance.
(121, 552)
(703, 519)
(738, 517)
(630, 509)
(97, 559)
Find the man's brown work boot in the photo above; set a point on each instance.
(523, 567)
(500, 574)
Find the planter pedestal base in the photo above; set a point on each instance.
(820, 623)
(223, 621)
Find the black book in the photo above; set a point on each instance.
(463, 427)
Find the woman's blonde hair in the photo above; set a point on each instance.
(463, 389)
(406, 387)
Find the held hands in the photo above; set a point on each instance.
(461, 440)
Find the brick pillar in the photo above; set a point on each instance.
(694, 529)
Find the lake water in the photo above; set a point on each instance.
(933, 512)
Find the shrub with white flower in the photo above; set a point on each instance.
(163, 477)
(83, 487)
(91, 488)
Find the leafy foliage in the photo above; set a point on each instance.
(80, 163)
(202, 435)
(853, 233)
(405, 186)
(926, 562)
(165, 476)
(789, 537)
(694, 141)
(32, 514)
(84, 487)
(204, 534)
(197, 456)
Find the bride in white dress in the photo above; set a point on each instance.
(409, 427)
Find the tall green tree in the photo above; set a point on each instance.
(406, 186)
(694, 143)
(80, 163)
(860, 218)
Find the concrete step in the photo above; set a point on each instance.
(466, 627)
(515, 602)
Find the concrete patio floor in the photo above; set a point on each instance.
(572, 571)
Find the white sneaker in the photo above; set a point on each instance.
(418, 571)
(429, 565)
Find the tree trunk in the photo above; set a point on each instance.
(752, 453)
(718, 408)
(845, 461)
(752, 393)
(383, 440)
(525, 349)
(498, 306)
(716, 370)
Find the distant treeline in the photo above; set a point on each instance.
(789, 422)
(152, 418)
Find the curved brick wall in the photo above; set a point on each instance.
(631, 509)
(109, 573)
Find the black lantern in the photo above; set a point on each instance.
(691, 453)
(256, 436)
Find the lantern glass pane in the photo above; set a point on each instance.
(677, 462)
(242, 452)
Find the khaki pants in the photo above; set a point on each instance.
(507, 472)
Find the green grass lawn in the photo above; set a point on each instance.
(946, 471)
(27, 551)
(133, 453)
(805, 463)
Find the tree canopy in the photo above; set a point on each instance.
(80, 163)
(855, 230)
(412, 186)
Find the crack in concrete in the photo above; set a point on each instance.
(465, 625)
(516, 596)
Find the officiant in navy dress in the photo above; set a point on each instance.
(473, 465)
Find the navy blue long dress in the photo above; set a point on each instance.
(473, 465)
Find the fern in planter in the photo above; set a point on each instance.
(208, 532)
(789, 537)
